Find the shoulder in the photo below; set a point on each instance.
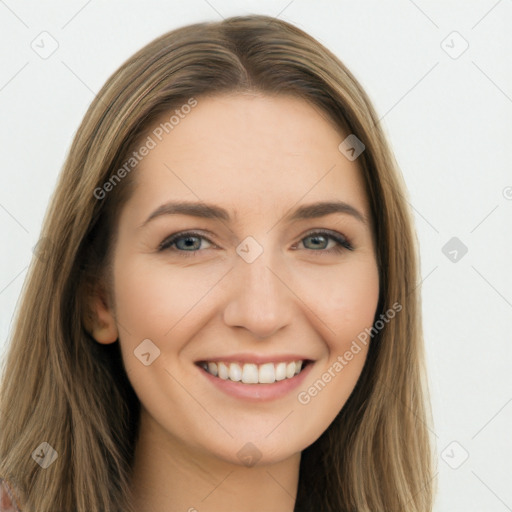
(8, 501)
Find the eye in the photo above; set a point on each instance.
(188, 242)
(320, 240)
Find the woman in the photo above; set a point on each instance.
(185, 341)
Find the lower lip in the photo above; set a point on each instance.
(258, 392)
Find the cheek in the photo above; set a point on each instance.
(152, 298)
(155, 302)
(140, 300)
(347, 305)
(347, 302)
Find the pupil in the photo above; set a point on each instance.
(189, 242)
(317, 238)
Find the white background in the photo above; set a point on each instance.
(449, 121)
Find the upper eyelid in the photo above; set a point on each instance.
(183, 234)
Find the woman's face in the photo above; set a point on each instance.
(260, 283)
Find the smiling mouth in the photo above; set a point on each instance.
(250, 373)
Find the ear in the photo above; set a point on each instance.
(99, 318)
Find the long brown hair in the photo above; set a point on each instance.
(62, 388)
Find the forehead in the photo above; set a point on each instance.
(250, 151)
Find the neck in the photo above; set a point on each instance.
(168, 476)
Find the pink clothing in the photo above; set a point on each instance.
(8, 500)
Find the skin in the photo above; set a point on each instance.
(258, 157)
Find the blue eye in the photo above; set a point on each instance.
(189, 243)
(322, 238)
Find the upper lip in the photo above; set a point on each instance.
(256, 358)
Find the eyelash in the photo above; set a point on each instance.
(342, 242)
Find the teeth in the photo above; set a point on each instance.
(267, 373)
(281, 371)
(250, 373)
(223, 371)
(235, 372)
(290, 370)
(212, 368)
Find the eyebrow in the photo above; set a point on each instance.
(210, 211)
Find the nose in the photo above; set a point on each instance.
(260, 298)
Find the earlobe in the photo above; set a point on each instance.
(101, 322)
